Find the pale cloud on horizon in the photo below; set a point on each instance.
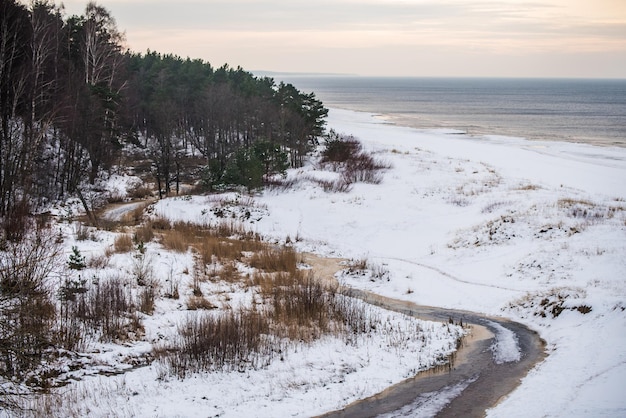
(569, 38)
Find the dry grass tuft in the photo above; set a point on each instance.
(528, 187)
(160, 223)
(212, 248)
(123, 243)
(99, 261)
(140, 192)
(175, 240)
(284, 259)
(267, 283)
(585, 209)
(196, 303)
(144, 233)
(229, 273)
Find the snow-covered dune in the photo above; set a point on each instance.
(530, 231)
(534, 231)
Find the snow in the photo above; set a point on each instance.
(492, 225)
(531, 231)
(505, 348)
(429, 404)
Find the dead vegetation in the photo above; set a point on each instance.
(552, 303)
(588, 210)
(289, 305)
(123, 243)
(289, 309)
(283, 306)
(366, 269)
(345, 155)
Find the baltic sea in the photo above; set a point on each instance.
(574, 110)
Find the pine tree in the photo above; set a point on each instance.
(77, 260)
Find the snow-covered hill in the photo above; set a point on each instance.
(531, 231)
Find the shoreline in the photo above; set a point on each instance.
(564, 110)
(476, 131)
(408, 121)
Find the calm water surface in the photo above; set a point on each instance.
(577, 110)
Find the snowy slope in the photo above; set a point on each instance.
(494, 225)
(532, 231)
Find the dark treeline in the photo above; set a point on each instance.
(72, 99)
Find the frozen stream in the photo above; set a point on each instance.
(487, 367)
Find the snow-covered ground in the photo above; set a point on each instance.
(532, 231)
(504, 226)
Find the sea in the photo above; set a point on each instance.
(591, 111)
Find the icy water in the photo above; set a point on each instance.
(576, 110)
(472, 384)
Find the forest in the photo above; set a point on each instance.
(76, 103)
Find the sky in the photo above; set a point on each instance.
(458, 38)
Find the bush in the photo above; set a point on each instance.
(109, 308)
(143, 234)
(230, 341)
(147, 297)
(340, 148)
(364, 168)
(346, 155)
(199, 303)
(160, 223)
(27, 311)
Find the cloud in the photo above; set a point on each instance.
(247, 30)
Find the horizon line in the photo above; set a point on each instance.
(332, 74)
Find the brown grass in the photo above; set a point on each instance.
(268, 282)
(195, 303)
(160, 223)
(288, 304)
(528, 187)
(293, 304)
(140, 192)
(98, 261)
(134, 216)
(225, 241)
(144, 233)
(283, 259)
(123, 243)
(215, 249)
(229, 273)
(585, 209)
(175, 240)
(569, 202)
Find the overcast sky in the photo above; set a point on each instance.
(506, 38)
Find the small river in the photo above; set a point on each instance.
(472, 383)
